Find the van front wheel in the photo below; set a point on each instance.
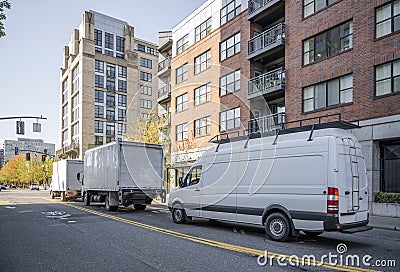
(277, 227)
(179, 215)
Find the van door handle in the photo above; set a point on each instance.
(347, 193)
(197, 190)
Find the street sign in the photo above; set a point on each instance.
(21, 127)
(37, 127)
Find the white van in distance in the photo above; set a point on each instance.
(311, 181)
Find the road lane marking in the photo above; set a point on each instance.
(226, 246)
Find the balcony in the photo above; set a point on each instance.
(164, 93)
(267, 83)
(164, 66)
(266, 41)
(262, 9)
(267, 123)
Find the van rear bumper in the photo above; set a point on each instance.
(331, 223)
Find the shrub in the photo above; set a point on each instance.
(383, 197)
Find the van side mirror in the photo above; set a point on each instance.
(180, 182)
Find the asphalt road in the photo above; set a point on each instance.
(38, 234)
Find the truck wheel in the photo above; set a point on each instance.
(312, 233)
(63, 196)
(179, 216)
(139, 207)
(277, 227)
(86, 199)
(52, 195)
(108, 207)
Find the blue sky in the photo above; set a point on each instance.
(31, 53)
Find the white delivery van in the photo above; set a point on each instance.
(63, 182)
(311, 181)
(123, 173)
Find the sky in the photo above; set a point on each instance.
(31, 53)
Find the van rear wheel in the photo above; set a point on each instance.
(179, 215)
(139, 207)
(277, 227)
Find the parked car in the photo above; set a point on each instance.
(2, 187)
(34, 186)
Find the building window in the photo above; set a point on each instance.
(182, 44)
(121, 129)
(110, 84)
(98, 81)
(229, 119)
(98, 111)
(229, 83)
(110, 71)
(387, 18)
(75, 78)
(390, 165)
(121, 115)
(202, 126)
(144, 116)
(122, 71)
(145, 104)
(120, 44)
(98, 140)
(145, 90)
(75, 130)
(121, 85)
(98, 96)
(122, 100)
(182, 102)
(110, 129)
(145, 76)
(312, 6)
(181, 132)
(181, 73)
(328, 43)
(141, 47)
(109, 41)
(98, 39)
(328, 93)
(202, 30)
(229, 47)
(65, 91)
(146, 63)
(110, 100)
(230, 8)
(151, 51)
(202, 94)
(110, 114)
(98, 126)
(202, 62)
(387, 78)
(99, 66)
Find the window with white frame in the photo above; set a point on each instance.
(202, 94)
(121, 100)
(181, 132)
(145, 104)
(99, 81)
(75, 78)
(387, 18)
(229, 47)
(121, 129)
(182, 44)
(121, 85)
(229, 83)
(182, 73)
(202, 30)
(98, 126)
(145, 76)
(110, 129)
(110, 114)
(99, 66)
(182, 102)
(202, 62)
(121, 115)
(230, 8)
(387, 78)
(145, 90)
(229, 119)
(98, 96)
(122, 71)
(202, 126)
(333, 92)
(312, 6)
(98, 111)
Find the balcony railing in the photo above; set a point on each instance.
(266, 40)
(165, 64)
(267, 123)
(166, 90)
(267, 83)
(255, 5)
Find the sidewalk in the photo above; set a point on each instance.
(384, 222)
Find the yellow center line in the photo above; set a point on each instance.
(222, 245)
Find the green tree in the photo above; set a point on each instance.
(148, 131)
(3, 5)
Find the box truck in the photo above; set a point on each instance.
(63, 182)
(123, 173)
(312, 181)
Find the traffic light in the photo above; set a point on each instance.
(43, 158)
(16, 150)
(45, 151)
(28, 156)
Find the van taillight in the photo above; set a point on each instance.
(333, 200)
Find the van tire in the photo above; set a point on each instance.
(312, 233)
(139, 207)
(86, 199)
(179, 216)
(277, 227)
(52, 195)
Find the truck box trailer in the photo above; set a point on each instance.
(123, 173)
(63, 182)
(304, 180)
